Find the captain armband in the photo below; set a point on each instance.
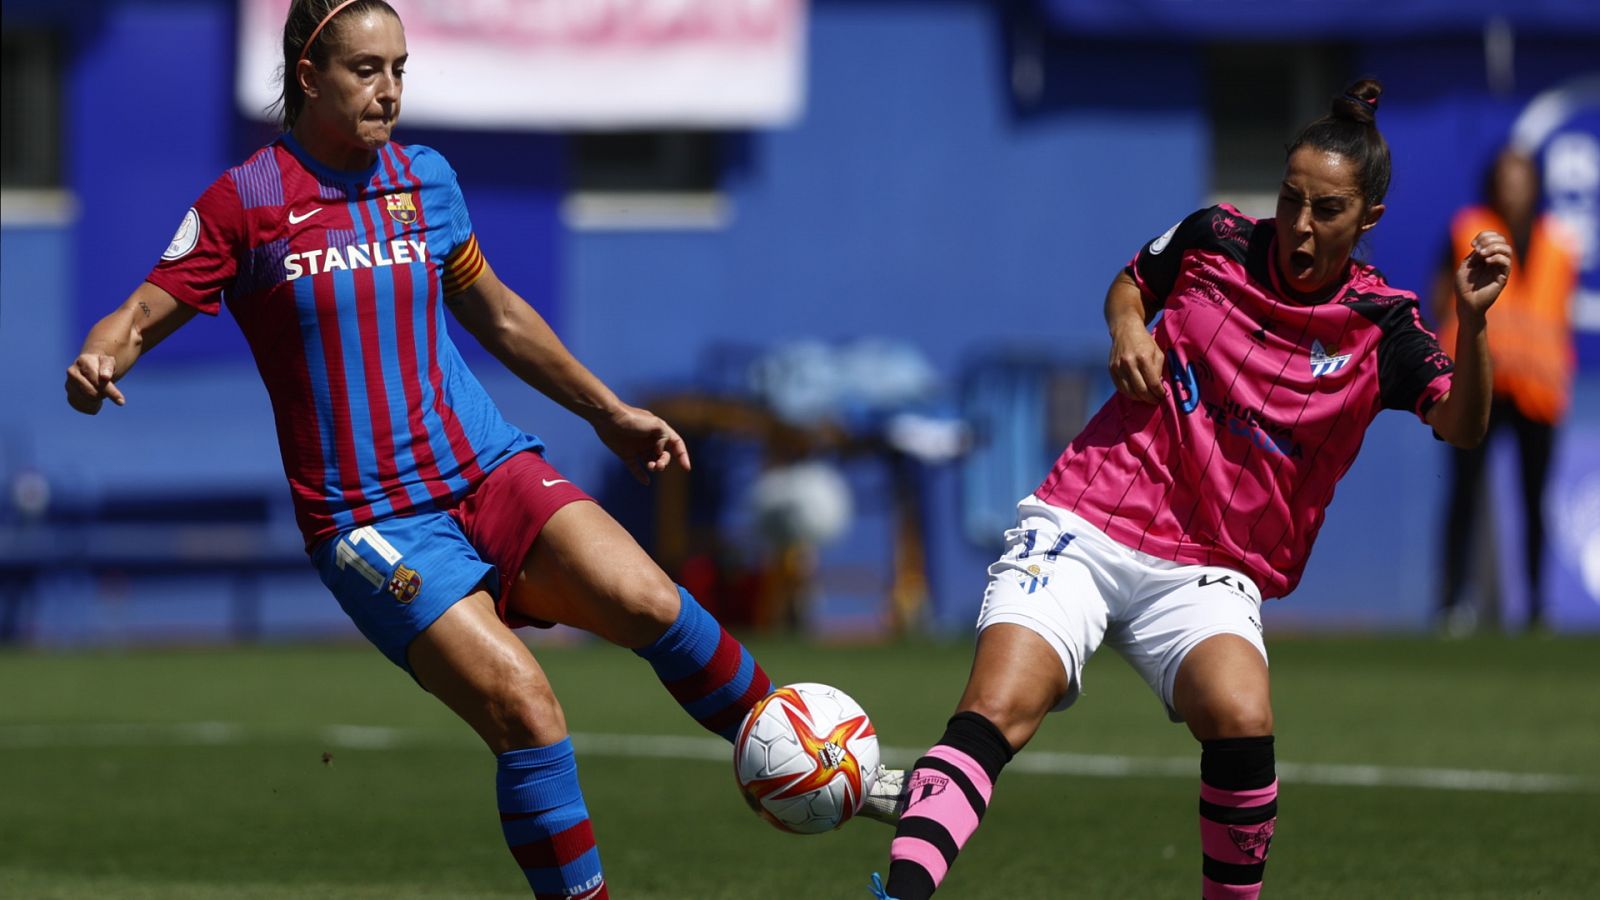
(463, 267)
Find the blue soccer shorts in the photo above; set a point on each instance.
(394, 578)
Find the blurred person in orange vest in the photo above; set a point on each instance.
(1530, 348)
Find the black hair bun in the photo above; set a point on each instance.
(1359, 102)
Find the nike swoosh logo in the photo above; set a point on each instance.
(296, 220)
(548, 483)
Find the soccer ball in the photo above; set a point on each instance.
(805, 758)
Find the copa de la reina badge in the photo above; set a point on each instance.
(188, 235)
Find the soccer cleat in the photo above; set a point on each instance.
(887, 798)
(877, 884)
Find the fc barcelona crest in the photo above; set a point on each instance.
(402, 208)
(404, 584)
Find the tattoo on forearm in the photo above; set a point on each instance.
(146, 307)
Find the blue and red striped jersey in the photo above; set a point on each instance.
(336, 279)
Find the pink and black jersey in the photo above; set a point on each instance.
(1268, 402)
(336, 279)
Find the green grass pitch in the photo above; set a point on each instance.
(186, 774)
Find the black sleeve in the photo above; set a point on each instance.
(1155, 267)
(1409, 361)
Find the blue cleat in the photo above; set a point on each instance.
(877, 888)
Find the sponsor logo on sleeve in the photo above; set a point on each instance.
(1225, 228)
(186, 238)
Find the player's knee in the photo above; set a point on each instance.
(1017, 719)
(525, 713)
(642, 610)
(1236, 718)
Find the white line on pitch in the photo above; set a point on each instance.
(637, 746)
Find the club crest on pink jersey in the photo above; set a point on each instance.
(402, 208)
(1323, 363)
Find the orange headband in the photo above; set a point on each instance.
(318, 30)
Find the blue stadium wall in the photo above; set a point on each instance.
(910, 201)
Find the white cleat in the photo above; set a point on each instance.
(887, 798)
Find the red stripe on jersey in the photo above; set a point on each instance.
(406, 345)
(372, 370)
(271, 323)
(455, 436)
(344, 445)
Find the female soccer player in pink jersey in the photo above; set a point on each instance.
(1198, 489)
(436, 523)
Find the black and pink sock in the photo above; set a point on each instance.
(1238, 810)
(946, 796)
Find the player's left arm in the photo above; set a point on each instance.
(525, 344)
(1462, 415)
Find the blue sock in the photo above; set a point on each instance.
(546, 823)
(711, 675)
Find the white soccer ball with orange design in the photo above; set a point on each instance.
(805, 758)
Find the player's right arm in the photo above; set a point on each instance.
(1135, 359)
(199, 263)
(115, 343)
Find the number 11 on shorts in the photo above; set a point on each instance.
(347, 554)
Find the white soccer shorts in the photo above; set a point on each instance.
(1071, 584)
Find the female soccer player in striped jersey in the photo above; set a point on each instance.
(438, 525)
(1198, 489)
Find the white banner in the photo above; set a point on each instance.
(547, 64)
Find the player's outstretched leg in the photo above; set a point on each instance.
(1222, 693)
(1238, 809)
(1017, 678)
(711, 675)
(946, 796)
(546, 823)
(587, 572)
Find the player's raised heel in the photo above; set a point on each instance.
(887, 799)
(877, 885)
